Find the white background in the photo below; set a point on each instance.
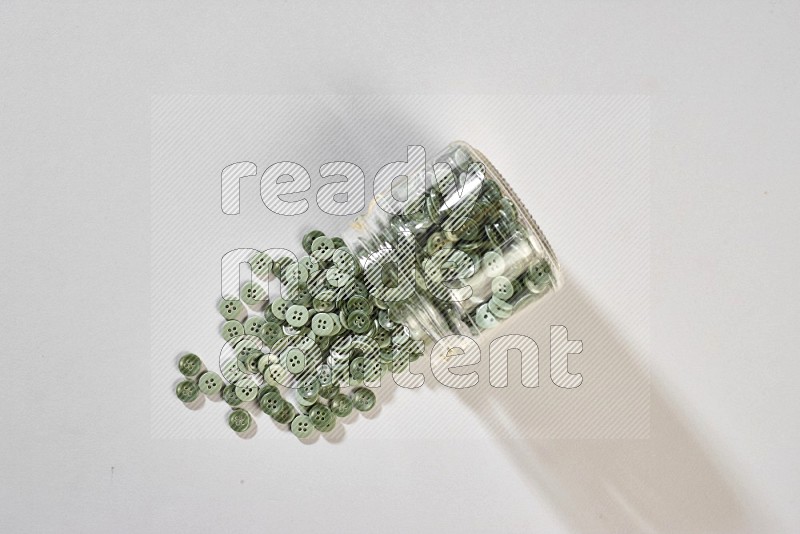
(75, 101)
(580, 163)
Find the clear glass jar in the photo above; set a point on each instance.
(461, 256)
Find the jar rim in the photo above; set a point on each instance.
(528, 219)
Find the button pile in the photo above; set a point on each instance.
(329, 339)
(325, 334)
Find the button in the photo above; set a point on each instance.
(251, 362)
(239, 420)
(382, 337)
(502, 288)
(495, 308)
(294, 360)
(253, 325)
(358, 368)
(232, 309)
(484, 318)
(374, 369)
(187, 391)
(279, 307)
(271, 402)
(359, 303)
(271, 333)
(246, 390)
(494, 263)
(231, 371)
(309, 238)
(189, 365)
(301, 426)
(308, 390)
(328, 391)
(363, 399)
(336, 277)
(436, 242)
(297, 315)
(285, 414)
(229, 395)
(264, 389)
(261, 265)
(341, 405)
(209, 382)
(322, 324)
(264, 361)
(253, 295)
(232, 329)
(345, 262)
(359, 322)
(538, 277)
(320, 416)
(322, 248)
(276, 375)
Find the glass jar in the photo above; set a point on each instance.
(458, 257)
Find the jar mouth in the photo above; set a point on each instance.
(530, 223)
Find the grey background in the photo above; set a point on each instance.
(75, 99)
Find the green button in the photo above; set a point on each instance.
(246, 390)
(336, 277)
(276, 375)
(538, 277)
(297, 315)
(497, 309)
(265, 361)
(187, 391)
(484, 318)
(345, 261)
(341, 405)
(502, 288)
(239, 420)
(271, 402)
(229, 395)
(382, 337)
(231, 371)
(322, 248)
(189, 365)
(309, 238)
(302, 426)
(266, 388)
(253, 295)
(251, 360)
(209, 382)
(363, 399)
(295, 360)
(358, 368)
(232, 309)
(231, 330)
(322, 324)
(359, 303)
(359, 322)
(279, 307)
(271, 333)
(320, 416)
(308, 390)
(493, 263)
(254, 325)
(261, 265)
(436, 242)
(286, 414)
(373, 369)
(311, 265)
(328, 391)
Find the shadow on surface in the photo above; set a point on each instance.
(667, 482)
